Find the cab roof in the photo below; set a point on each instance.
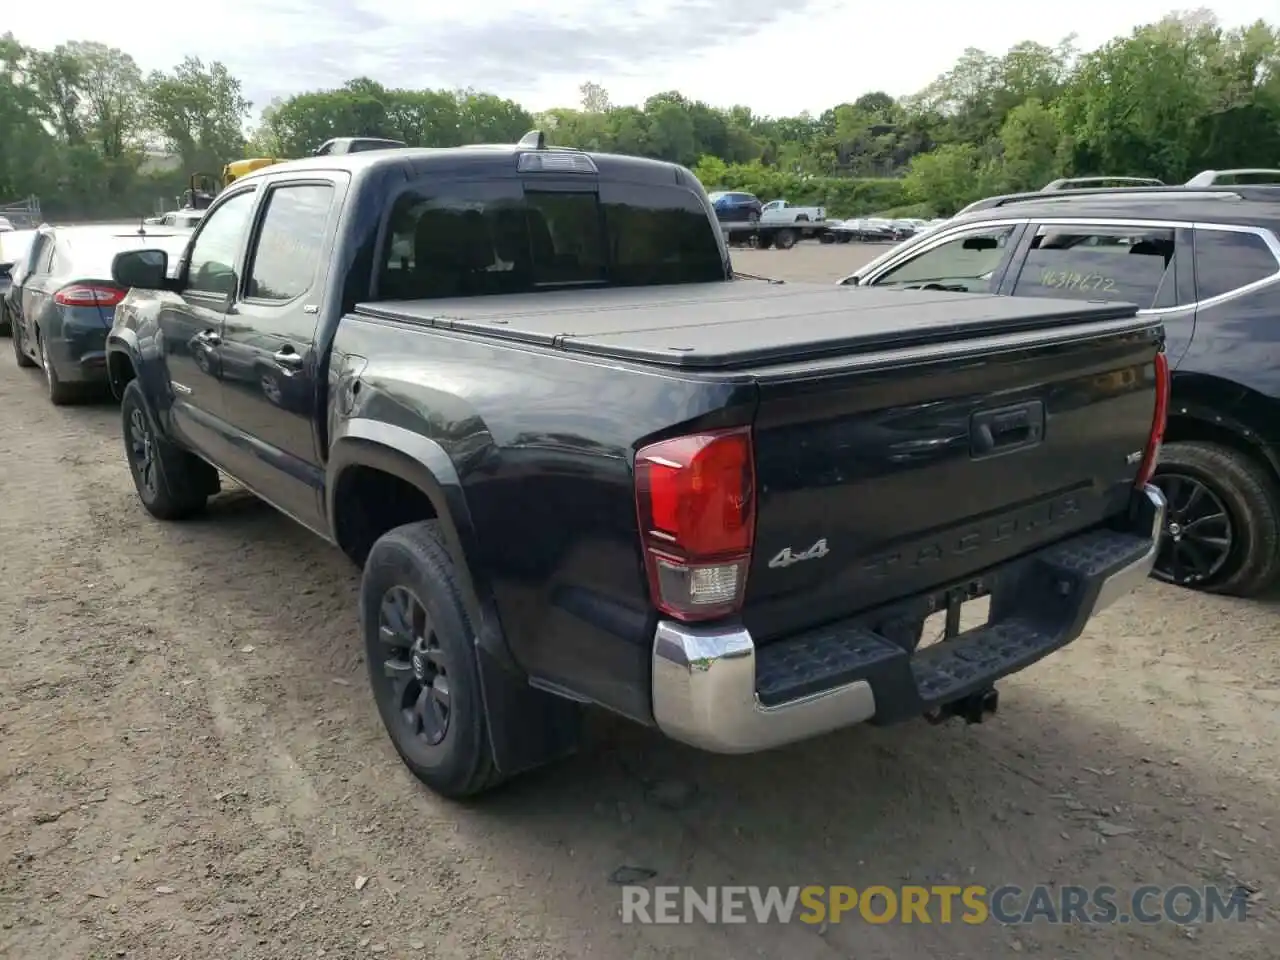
(478, 159)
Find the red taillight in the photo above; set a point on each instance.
(88, 295)
(696, 504)
(1158, 421)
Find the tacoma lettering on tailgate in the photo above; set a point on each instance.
(966, 539)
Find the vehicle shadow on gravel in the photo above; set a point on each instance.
(1041, 794)
(1058, 787)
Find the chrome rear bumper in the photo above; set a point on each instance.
(705, 683)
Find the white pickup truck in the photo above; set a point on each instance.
(784, 212)
(781, 224)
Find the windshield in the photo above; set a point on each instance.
(478, 239)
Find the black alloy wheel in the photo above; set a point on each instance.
(1198, 533)
(415, 672)
(142, 453)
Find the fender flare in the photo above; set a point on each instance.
(527, 726)
(1213, 417)
(123, 341)
(425, 464)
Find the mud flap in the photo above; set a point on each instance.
(528, 727)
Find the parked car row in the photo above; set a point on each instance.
(579, 460)
(60, 301)
(1206, 260)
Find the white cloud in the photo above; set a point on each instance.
(808, 54)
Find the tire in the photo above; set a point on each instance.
(19, 351)
(784, 239)
(409, 569)
(60, 394)
(171, 483)
(1232, 483)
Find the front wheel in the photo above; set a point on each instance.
(419, 647)
(1222, 525)
(171, 483)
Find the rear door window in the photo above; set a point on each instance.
(482, 238)
(290, 241)
(1227, 260)
(1082, 262)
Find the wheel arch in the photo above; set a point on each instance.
(122, 363)
(367, 449)
(1197, 420)
(528, 726)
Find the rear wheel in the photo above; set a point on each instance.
(419, 647)
(59, 393)
(171, 483)
(1222, 526)
(784, 239)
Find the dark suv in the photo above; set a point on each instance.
(1207, 261)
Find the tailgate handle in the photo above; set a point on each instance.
(1006, 429)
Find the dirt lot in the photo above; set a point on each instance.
(192, 765)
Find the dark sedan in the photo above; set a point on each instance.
(14, 245)
(67, 301)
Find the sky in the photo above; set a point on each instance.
(777, 58)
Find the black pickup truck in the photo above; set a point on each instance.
(580, 461)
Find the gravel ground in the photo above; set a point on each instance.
(192, 765)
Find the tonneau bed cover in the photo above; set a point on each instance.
(741, 323)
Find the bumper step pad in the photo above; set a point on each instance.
(1038, 605)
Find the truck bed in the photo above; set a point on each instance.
(742, 323)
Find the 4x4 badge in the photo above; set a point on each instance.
(786, 558)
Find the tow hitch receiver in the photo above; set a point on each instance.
(974, 708)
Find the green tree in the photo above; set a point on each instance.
(1031, 142)
(946, 178)
(199, 112)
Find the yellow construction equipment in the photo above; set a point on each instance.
(236, 169)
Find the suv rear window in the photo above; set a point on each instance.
(1130, 264)
(1227, 260)
(469, 239)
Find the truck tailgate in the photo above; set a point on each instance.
(880, 477)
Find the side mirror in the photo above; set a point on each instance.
(980, 243)
(144, 269)
(850, 281)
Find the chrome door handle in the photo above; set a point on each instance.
(288, 359)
